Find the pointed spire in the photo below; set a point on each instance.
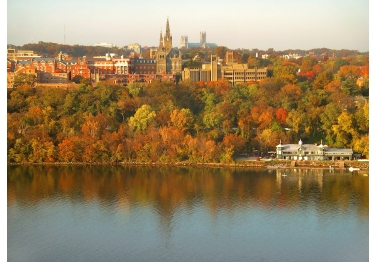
(167, 27)
(160, 39)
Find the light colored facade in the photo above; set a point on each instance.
(240, 73)
(14, 54)
(135, 47)
(109, 45)
(302, 151)
(122, 66)
(232, 72)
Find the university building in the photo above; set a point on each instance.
(203, 44)
(232, 72)
(168, 59)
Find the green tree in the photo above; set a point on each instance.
(142, 118)
(24, 79)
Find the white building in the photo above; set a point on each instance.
(312, 152)
(109, 45)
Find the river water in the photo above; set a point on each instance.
(117, 213)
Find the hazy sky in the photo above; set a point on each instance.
(261, 24)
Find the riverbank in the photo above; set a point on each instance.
(239, 162)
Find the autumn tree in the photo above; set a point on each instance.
(143, 117)
(322, 80)
(236, 143)
(182, 119)
(21, 79)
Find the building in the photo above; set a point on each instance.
(143, 65)
(302, 151)
(122, 65)
(233, 72)
(109, 45)
(14, 54)
(168, 59)
(135, 47)
(203, 44)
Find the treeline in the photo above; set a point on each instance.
(192, 122)
(49, 49)
(241, 55)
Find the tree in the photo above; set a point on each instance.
(307, 64)
(143, 117)
(220, 51)
(77, 79)
(286, 72)
(267, 140)
(322, 80)
(66, 150)
(344, 130)
(350, 87)
(281, 115)
(296, 120)
(349, 72)
(361, 145)
(182, 119)
(213, 119)
(24, 79)
(236, 143)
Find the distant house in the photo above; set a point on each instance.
(109, 45)
(302, 151)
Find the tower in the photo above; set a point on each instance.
(184, 41)
(168, 60)
(202, 38)
(229, 57)
(168, 37)
(214, 68)
(160, 40)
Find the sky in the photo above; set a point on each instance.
(249, 24)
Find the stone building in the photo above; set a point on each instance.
(168, 59)
(203, 44)
(232, 72)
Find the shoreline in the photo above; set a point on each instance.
(268, 164)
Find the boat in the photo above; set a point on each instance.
(353, 168)
(331, 168)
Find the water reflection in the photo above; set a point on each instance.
(171, 188)
(117, 213)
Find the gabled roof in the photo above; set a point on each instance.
(45, 59)
(295, 147)
(173, 52)
(73, 61)
(23, 62)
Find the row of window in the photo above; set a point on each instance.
(145, 61)
(145, 67)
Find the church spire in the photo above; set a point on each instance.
(160, 40)
(168, 37)
(167, 27)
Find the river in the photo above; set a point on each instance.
(122, 213)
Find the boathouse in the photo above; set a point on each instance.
(302, 151)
